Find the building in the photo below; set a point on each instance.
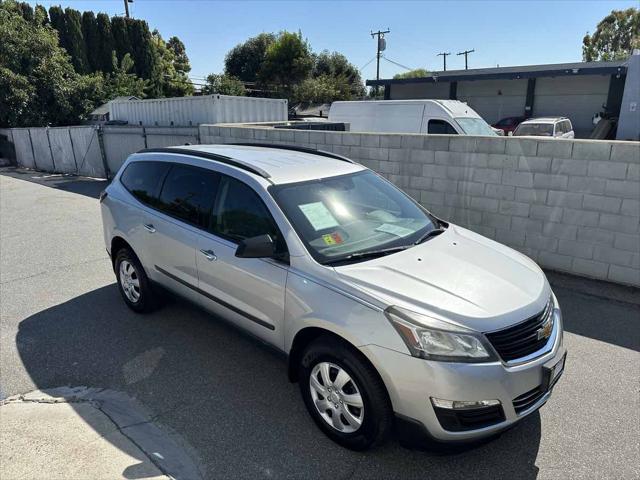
(574, 90)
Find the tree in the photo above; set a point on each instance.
(288, 61)
(322, 89)
(224, 85)
(615, 37)
(40, 15)
(180, 59)
(119, 29)
(336, 65)
(75, 44)
(91, 40)
(38, 84)
(105, 43)
(165, 80)
(245, 60)
(142, 49)
(417, 73)
(122, 82)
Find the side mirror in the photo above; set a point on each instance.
(510, 134)
(261, 246)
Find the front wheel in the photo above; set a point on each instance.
(344, 395)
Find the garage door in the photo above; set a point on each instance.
(494, 99)
(578, 98)
(420, 90)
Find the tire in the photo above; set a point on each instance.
(133, 283)
(339, 421)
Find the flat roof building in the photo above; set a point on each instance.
(574, 90)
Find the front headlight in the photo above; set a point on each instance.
(433, 339)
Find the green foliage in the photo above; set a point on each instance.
(224, 85)
(166, 80)
(615, 37)
(120, 33)
(417, 73)
(105, 43)
(41, 17)
(38, 84)
(245, 60)
(180, 59)
(336, 65)
(142, 49)
(76, 46)
(122, 81)
(92, 40)
(288, 61)
(322, 89)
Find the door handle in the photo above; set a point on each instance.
(209, 255)
(149, 228)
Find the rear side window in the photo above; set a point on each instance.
(567, 126)
(144, 179)
(240, 213)
(440, 126)
(188, 194)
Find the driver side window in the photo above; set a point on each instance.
(239, 212)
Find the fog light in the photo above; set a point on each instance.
(462, 404)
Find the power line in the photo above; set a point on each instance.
(444, 58)
(367, 64)
(466, 53)
(396, 63)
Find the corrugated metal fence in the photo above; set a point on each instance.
(90, 150)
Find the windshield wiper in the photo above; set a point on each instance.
(368, 254)
(429, 234)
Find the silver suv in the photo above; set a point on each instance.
(388, 314)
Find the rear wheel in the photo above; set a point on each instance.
(133, 283)
(344, 395)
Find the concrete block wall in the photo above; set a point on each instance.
(571, 205)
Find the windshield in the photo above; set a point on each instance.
(537, 129)
(475, 126)
(344, 217)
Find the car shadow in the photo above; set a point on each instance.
(226, 397)
(89, 187)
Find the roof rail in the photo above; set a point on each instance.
(296, 148)
(210, 156)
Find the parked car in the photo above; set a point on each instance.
(508, 124)
(387, 313)
(559, 127)
(411, 116)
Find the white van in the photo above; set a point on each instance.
(411, 116)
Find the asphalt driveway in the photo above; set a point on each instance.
(226, 398)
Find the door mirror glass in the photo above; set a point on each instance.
(261, 246)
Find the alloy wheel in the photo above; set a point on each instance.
(336, 397)
(129, 281)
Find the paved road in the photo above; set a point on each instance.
(226, 398)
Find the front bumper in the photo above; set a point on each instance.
(412, 382)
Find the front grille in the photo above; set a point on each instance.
(469, 418)
(522, 339)
(527, 399)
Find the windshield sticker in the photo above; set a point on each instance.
(318, 215)
(332, 238)
(394, 230)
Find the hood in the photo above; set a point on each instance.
(458, 276)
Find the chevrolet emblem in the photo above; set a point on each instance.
(545, 331)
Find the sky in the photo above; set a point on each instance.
(505, 33)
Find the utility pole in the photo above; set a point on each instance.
(381, 45)
(466, 53)
(444, 58)
(126, 7)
